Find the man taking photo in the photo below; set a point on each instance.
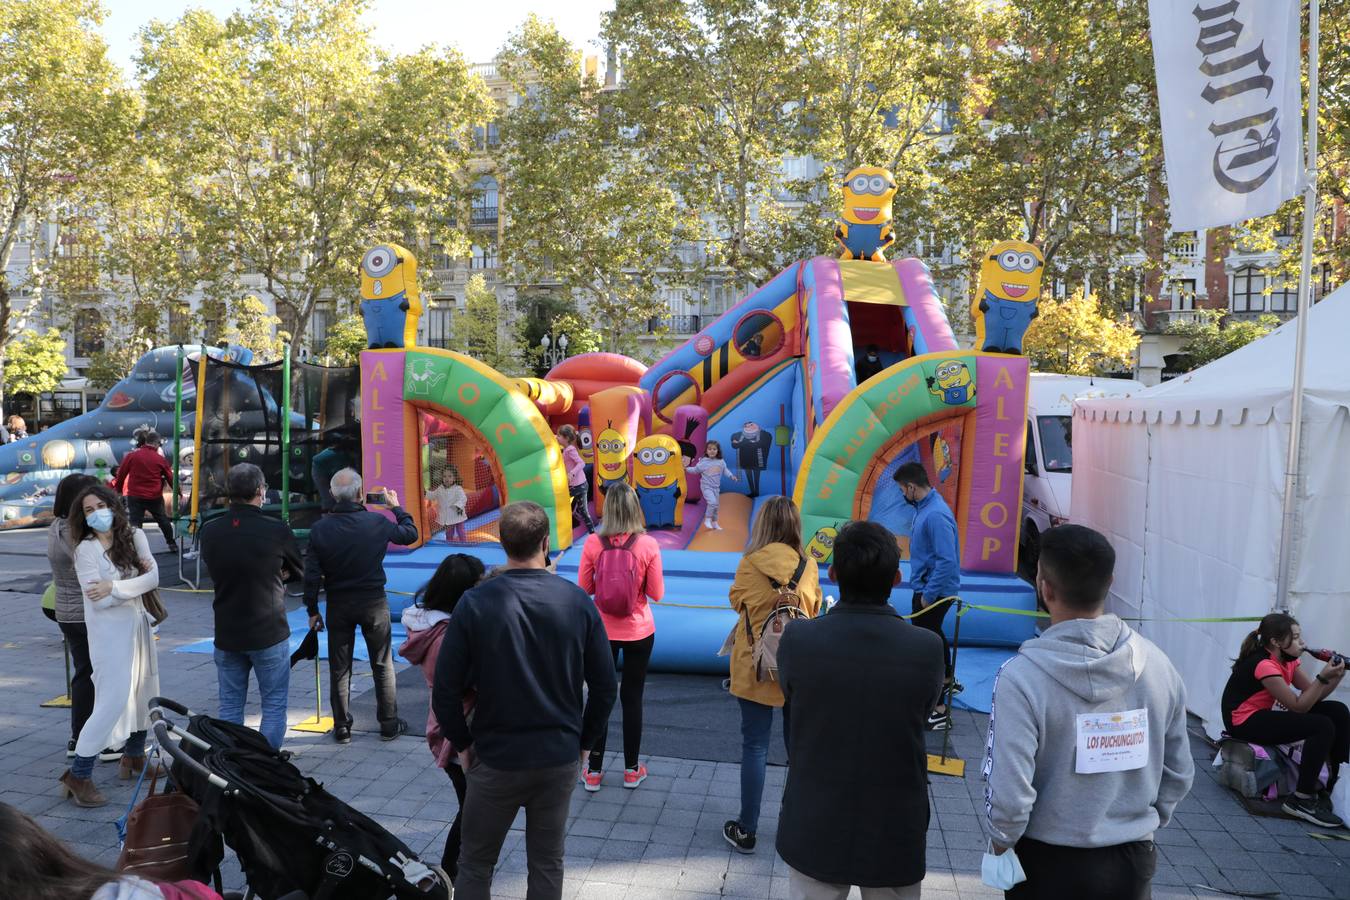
(858, 684)
(346, 560)
(249, 556)
(1087, 754)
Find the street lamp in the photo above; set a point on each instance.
(553, 352)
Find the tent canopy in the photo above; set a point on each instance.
(1187, 481)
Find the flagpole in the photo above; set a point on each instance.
(1291, 476)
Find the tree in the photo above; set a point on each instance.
(63, 111)
(1214, 335)
(1075, 336)
(481, 331)
(346, 339)
(295, 144)
(37, 362)
(1062, 138)
(253, 326)
(715, 97)
(583, 207)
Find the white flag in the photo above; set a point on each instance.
(1228, 86)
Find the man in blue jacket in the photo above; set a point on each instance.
(934, 564)
(346, 561)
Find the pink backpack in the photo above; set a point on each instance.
(617, 578)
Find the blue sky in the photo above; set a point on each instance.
(476, 28)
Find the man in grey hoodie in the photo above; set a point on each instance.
(1087, 753)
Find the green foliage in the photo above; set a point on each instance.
(346, 339)
(483, 332)
(63, 112)
(589, 211)
(253, 326)
(1215, 335)
(1076, 336)
(35, 363)
(293, 143)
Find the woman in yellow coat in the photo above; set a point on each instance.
(774, 552)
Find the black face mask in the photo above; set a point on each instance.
(1286, 658)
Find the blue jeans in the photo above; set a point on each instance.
(756, 723)
(272, 666)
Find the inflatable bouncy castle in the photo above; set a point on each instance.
(776, 382)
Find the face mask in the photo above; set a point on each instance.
(100, 519)
(1288, 658)
(1002, 871)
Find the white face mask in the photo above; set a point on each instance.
(1002, 871)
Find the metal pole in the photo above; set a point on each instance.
(1291, 469)
(286, 435)
(951, 685)
(177, 435)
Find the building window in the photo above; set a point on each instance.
(1186, 245)
(88, 333)
(1283, 295)
(180, 324)
(439, 258)
(483, 257)
(1127, 221)
(438, 320)
(319, 322)
(484, 210)
(1249, 287)
(1183, 293)
(486, 136)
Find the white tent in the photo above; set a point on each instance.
(1187, 479)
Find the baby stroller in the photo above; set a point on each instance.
(294, 840)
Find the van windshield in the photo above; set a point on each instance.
(1056, 442)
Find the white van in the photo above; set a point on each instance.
(1049, 461)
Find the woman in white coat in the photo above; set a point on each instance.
(114, 567)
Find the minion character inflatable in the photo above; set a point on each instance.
(658, 478)
(1010, 284)
(611, 457)
(391, 302)
(821, 546)
(864, 229)
(951, 382)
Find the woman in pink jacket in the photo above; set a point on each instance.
(621, 569)
(425, 622)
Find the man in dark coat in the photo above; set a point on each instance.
(859, 684)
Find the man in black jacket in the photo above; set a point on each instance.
(528, 642)
(859, 684)
(250, 555)
(346, 560)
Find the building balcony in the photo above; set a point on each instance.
(676, 325)
(1167, 318)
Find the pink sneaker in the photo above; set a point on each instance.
(592, 780)
(633, 777)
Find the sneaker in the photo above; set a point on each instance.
(633, 777)
(592, 780)
(717, 526)
(957, 687)
(342, 734)
(939, 721)
(1310, 810)
(707, 523)
(189, 554)
(400, 728)
(743, 841)
(109, 754)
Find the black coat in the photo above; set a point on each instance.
(346, 554)
(249, 555)
(859, 684)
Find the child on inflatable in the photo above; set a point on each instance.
(711, 468)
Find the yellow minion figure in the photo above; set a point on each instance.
(864, 228)
(658, 478)
(821, 546)
(1010, 284)
(391, 302)
(611, 457)
(942, 458)
(952, 383)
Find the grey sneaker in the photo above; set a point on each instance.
(1310, 809)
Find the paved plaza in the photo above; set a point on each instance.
(660, 842)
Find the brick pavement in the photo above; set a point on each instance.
(660, 841)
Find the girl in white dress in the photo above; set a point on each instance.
(114, 567)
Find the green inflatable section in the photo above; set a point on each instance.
(866, 420)
(515, 432)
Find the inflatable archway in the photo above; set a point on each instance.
(982, 393)
(397, 383)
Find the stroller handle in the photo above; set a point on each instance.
(170, 705)
(162, 727)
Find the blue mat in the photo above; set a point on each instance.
(298, 620)
(976, 668)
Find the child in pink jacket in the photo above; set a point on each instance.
(425, 621)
